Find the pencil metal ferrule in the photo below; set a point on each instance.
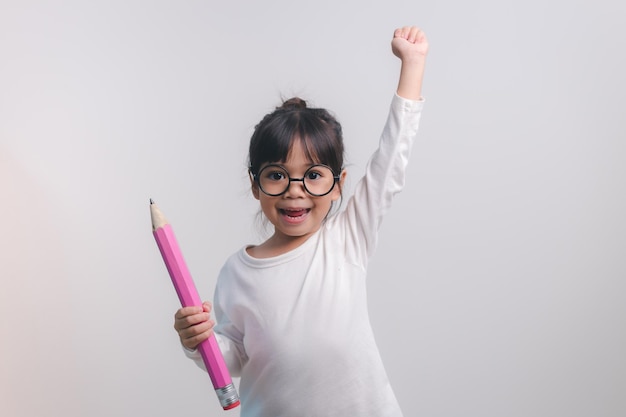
(228, 396)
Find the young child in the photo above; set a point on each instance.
(291, 313)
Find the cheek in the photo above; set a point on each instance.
(265, 205)
(268, 206)
(327, 205)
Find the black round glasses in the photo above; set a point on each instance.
(274, 180)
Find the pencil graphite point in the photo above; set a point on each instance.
(151, 202)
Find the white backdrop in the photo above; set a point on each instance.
(498, 286)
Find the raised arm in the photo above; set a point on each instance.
(411, 46)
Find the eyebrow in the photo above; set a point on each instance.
(281, 164)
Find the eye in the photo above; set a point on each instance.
(313, 175)
(318, 173)
(275, 175)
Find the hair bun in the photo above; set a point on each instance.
(294, 103)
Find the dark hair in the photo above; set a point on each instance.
(317, 130)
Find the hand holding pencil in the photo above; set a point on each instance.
(194, 324)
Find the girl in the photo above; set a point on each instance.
(291, 313)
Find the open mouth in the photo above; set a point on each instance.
(294, 214)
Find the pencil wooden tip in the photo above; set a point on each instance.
(158, 219)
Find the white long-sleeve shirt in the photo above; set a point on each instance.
(295, 327)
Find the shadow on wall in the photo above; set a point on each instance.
(36, 354)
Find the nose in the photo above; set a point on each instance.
(295, 190)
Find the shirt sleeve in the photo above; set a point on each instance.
(384, 178)
(229, 336)
(229, 350)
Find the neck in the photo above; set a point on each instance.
(277, 245)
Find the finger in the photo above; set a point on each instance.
(400, 33)
(197, 329)
(406, 32)
(187, 311)
(207, 306)
(189, 321)
(194, 335)
(193, 342)
(414, 34)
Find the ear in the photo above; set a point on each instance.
(336, 193)
(254, 187)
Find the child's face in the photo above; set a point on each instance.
(296, 213)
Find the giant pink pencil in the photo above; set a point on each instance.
(188, 296)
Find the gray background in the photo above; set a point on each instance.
(498, 286)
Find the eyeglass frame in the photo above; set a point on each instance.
(256, 179)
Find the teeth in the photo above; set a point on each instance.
(295, 213)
